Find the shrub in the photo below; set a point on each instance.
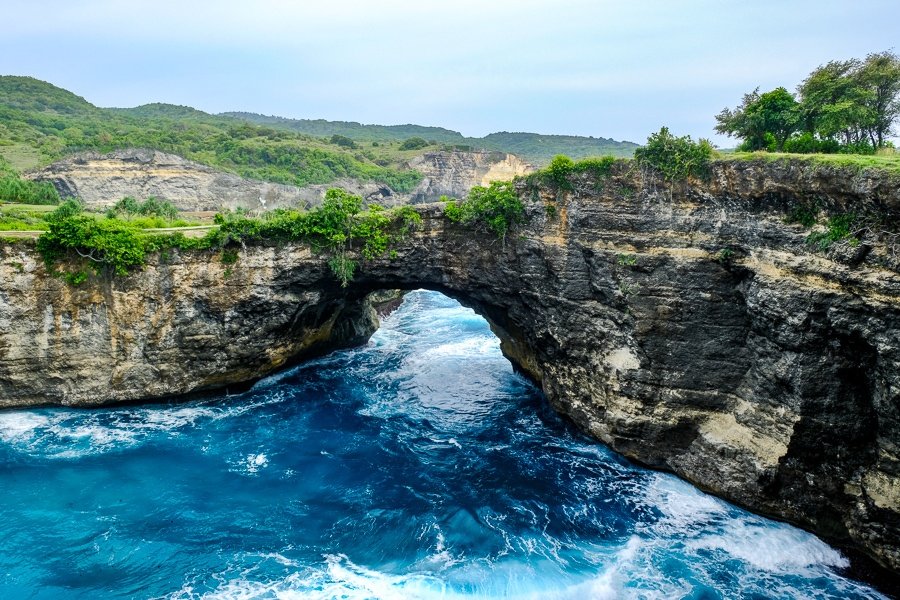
(414, 143)
(69, 208)
(804, 214)
(15, 189)
(151, 207)
(343, 141)
(558, 173)
(807, 143)
(496, 208)
(675, 158)
(725, 256)
(598, 168)
(839, 228)
(104, 242)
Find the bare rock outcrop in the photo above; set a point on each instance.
(101, 180)
(453, 174)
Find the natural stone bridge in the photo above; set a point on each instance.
(691, 329)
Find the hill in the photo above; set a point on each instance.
(534, 147)
(41, 123)
(351, 129)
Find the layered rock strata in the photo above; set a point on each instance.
(689, 327)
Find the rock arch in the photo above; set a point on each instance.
(692, 330)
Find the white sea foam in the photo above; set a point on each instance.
(707, 523)
(15, 426)
(255, 462)
(772, 547)
(683, 506)
(340, 578)
(67, 434)
(474, 346)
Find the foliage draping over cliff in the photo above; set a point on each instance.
(496, 208)
(339, 229)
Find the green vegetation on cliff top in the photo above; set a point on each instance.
(497, 208)
(844, 106)
(889, 163)
(339, 229)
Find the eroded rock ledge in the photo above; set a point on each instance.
(768, 374)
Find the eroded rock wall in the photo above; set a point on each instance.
(101, 180)
(453, 174)
(689, 327)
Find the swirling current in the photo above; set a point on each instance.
(419, 466)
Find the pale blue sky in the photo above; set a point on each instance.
(611, 69)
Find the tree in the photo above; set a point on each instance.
(736, 123)
(879, 76)
(833, 102)
(762, 121)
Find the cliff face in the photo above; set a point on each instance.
(689, 328)
(453, 174)
(101, 180)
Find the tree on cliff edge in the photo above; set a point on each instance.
(764, 122)
(848, 106)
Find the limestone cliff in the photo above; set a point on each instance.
(453, 174)
(101, 180)
(688, 327)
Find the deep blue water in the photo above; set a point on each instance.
(420, 466)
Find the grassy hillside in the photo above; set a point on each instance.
(41, 123)
(533, 147)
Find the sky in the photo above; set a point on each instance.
(585, 67)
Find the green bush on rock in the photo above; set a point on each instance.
(675, 158)
(558, 173)
(339, 228)
(496, 207)
(103, 242)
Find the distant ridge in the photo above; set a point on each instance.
(534, 147)
(351, 129)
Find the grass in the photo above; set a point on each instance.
(30, 217)
(32, 208)
(21, 157)
(23, 217)
(889, 163)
